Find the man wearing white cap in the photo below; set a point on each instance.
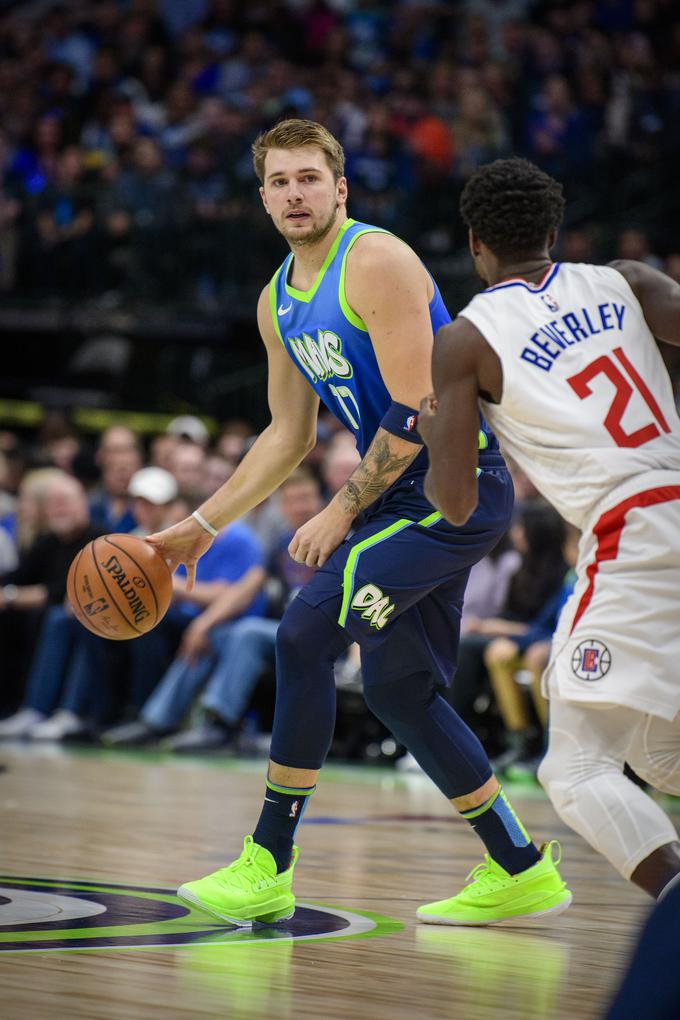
(153, 490)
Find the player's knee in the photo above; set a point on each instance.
(568, 767)
(306, 638)
(659, 768)
(401, 700)
(294, 636)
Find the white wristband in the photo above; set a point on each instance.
(204, 524)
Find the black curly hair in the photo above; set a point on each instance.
(512, 206)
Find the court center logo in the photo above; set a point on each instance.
(591, 660)
(41, 915)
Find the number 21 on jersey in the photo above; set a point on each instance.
(626, 381)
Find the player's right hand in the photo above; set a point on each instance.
(182, 543)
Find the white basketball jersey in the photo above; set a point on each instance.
(587, 402)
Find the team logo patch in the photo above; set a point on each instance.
(376, 607)
(591, 660)
(549, 301)
(43, 915)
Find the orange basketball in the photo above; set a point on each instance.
(119, 587)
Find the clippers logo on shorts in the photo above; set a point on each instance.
(591, 660)
(376, 606)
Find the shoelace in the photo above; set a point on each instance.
(246, 873)
(484, 876)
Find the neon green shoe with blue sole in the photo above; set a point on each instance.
(495, 897)
(246, 891)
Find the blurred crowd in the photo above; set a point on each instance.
(202, 680)
(126, 128)
(125, 176)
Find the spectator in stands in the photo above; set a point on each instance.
(216, 471)
(507, 655)
(188, 467)
(339, 461)
(634, 243)
(37, 589)
(233, 438)
(60, 684)
(140, 209)
(111, 506)
(152, 490)
(229, 587)
(162, 450)
(190, 428)
(538, 535)
(63, 248)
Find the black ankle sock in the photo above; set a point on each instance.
(281, 812)
(503, 834)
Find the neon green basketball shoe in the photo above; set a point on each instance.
(495, 897)
(247, 890)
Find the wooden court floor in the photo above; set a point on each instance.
(94, 843)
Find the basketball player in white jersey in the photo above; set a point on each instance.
(564, 361)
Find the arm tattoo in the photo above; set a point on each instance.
(381, 466)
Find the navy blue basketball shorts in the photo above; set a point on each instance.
(396, 585)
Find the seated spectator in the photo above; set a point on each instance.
(488, 584)
(189, 428)
(37, 589)
(224, 654)
(485, 596)
(26, 521)
(538, 535)
(216, 471)
(162, 450)
(152, 490)
(111, 507)
(229, 581)
(232, 441)
(59, 671)
(528, 651)
(90, 693)
(187, 465)
(118, 456)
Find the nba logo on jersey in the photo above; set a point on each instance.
(410, 423)
(591, 660)
(550, 303)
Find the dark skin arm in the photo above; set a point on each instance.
(464, 367)
(658, 295)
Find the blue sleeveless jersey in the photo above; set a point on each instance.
(331, 345)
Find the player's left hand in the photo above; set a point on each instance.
(318, 539)
(426, 416)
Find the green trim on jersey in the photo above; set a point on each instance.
(348, 312)
(272, 304)
(307, 295)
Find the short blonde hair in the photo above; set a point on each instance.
(293, 134)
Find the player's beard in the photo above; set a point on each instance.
(315, 235)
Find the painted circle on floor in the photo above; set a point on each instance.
(39, 915)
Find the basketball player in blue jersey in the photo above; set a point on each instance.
(348, 319)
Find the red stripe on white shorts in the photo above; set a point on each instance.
(608, 533)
